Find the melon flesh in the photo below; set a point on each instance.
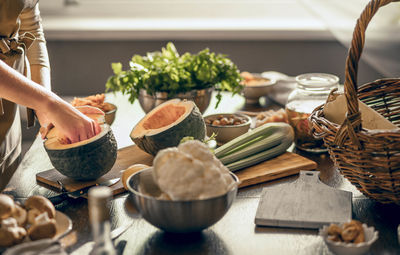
(164, 117)
(167, 124)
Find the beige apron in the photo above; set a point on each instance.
(12, 51)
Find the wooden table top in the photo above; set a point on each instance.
(235, 233)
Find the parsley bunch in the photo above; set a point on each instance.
(167, 71)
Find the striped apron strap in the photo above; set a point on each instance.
(16, 46)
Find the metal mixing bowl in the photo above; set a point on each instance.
(176, 216)
(200, 97)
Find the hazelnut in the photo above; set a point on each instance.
(350, 233)
(334, 230)
(224, 121)
(216, 123)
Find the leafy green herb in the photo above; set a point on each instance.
(205, 140)
(167, 71)
(209, 141)
(186, 139)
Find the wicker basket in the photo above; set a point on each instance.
(369, 159)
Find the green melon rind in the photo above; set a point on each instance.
(193, 125)
(86, 162)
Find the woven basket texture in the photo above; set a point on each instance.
(369, 159)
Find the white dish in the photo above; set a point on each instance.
(63, 227)
(343, 248)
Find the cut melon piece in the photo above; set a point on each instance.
(84, 160)
(167, 124)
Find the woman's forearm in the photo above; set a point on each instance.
(71, 122)
(41, 75)
(19, 89)
(50, 108)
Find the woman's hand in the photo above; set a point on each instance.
(50, 108)
(71, 122)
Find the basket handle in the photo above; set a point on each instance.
(352, 122)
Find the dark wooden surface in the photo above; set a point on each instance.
(235, 233)
(284, 165)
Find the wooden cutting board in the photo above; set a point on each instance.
(281, 166)
(304, 203)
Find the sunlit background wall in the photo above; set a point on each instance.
(290, 36)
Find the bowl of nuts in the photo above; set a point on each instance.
(350, 238)
(227, 126)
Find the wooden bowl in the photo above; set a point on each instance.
(110, 115)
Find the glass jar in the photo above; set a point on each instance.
(312, 90)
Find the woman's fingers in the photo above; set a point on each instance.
(72, 122)
(91, 129)
(97, 128)
(74, 135)
(89, 110)
(44, 130)
(90, 132)
(73, 139)
(85, 132)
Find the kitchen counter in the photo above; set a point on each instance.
(235, 233)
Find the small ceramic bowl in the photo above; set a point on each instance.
(350, 248)
(252, 93)
(225, 133)
(110, 115)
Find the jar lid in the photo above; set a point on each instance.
(317, 80)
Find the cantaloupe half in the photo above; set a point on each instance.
(84, 160)
(167, 124)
